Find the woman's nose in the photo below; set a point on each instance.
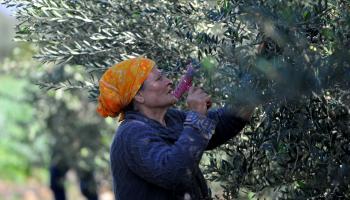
(169, 81)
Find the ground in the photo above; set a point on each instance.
(36, 190)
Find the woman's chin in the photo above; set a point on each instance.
(174, 100)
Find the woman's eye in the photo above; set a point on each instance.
(162, 74)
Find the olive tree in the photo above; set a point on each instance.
(289, 59)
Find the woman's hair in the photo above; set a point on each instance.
(130, 106)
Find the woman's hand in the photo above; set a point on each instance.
(198, 100)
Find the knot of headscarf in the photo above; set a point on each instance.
(120, 83)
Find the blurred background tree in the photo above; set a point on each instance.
(16, 115)
(41, 128)
(289, 58)
(17, 154)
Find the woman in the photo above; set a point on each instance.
(156, 151)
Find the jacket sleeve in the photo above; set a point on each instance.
(228, 126)
(167, 165)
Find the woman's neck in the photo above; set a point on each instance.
(155, 114)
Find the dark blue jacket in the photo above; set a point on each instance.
(152, 161)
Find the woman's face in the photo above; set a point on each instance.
(157, 90)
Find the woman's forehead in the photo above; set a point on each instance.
(153, 74)
(155, 71)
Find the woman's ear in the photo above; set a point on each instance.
(139, 97)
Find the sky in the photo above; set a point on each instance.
(5, 10)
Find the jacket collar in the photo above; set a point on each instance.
(135, 115)
(165, 131)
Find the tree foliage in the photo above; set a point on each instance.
(289, 58)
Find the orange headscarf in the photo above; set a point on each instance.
(120, 83)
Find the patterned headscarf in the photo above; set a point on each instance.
(120, 83)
